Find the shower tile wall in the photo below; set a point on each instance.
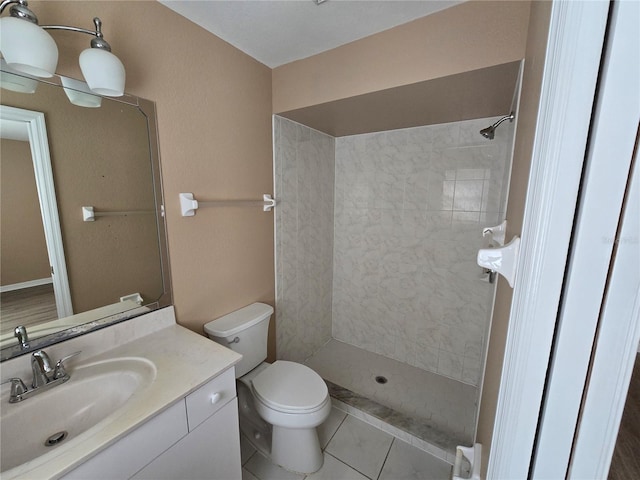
(410, 206)
(304, 186)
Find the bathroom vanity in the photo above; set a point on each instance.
(180, 422)
(197, 437)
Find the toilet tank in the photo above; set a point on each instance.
(244, 331)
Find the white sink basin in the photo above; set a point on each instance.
(88, 401)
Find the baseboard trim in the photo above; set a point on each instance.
(29, 284)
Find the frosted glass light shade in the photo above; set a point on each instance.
(79, 94)
(103, 72)
(17, 83)
(27, 48)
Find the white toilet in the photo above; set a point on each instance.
(280, 404)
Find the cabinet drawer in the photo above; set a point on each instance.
(209, 398)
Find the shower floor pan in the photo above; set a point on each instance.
(432, 412)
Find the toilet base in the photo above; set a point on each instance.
(297, 450)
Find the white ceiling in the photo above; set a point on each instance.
(276, 32)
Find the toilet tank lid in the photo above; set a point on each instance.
(237, 321)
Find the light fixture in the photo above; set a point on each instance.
(28, 48)
(79, 94)
(15, 81)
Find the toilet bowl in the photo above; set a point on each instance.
(291, 395)
(280, 404)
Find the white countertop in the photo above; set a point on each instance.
(184, 361)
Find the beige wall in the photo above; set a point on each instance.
(486, 92)
(23, 249)
(466, 37)
(527, 117)
(108, 169)
(214, 121)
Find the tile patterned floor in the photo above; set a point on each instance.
(353, 450)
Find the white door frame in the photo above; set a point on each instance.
(575, 42)
(37, 133)
(611, 145)
(615, 351)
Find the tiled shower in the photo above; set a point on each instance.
(376, 241)
(304, 182)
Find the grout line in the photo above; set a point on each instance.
(386, 457)
(334, 433)
(250, 457)
(255, 450)
(350, 466)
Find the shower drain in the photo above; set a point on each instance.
(381, 380)
(55, 439)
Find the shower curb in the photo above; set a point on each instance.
(403, 427)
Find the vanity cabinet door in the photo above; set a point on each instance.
(131, 453)
(210, 451)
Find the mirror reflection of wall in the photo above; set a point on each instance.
(27, 292)
(100, 157)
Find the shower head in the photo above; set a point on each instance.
(489, 132)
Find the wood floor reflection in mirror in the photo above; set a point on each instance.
(27, 307)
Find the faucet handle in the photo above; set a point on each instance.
(59, 371)
(17, 388)
(17, 385)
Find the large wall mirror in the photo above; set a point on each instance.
(83, 239)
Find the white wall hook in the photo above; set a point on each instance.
(497, 233)
(269, 202)
(188, 205)
(503, 260)
(88, 215)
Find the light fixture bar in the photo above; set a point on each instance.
(98, 42)
(71, 29)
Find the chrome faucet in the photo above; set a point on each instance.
(41, 368)
(21, 334)
(44, 376)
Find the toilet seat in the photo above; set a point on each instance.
(290, 387)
